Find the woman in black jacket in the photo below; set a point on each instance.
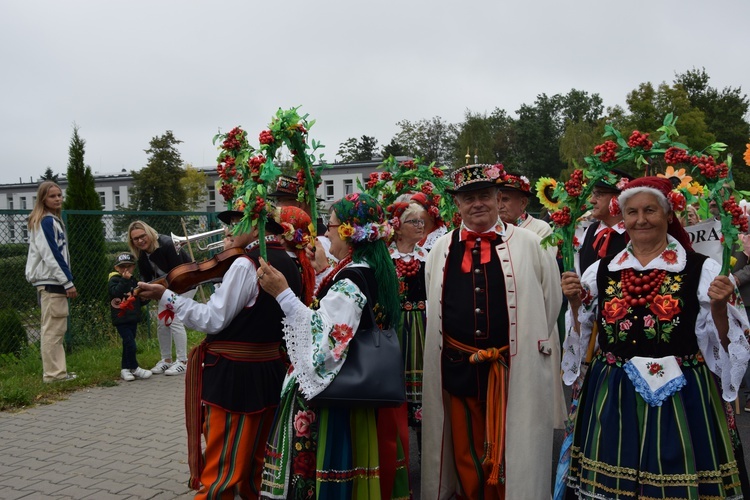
(157, 256)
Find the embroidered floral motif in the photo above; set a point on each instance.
(655, 369)
(648, 321)
(669, 256)
(665, 307)
(341, 335)
(614, 310)
(303, 421)
(623, 257)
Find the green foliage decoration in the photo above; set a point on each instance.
(409, 177)
(640, 151)
(247, 172)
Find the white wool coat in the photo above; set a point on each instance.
(533, 300)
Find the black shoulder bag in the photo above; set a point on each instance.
(373, 372)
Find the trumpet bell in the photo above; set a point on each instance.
(198, 239)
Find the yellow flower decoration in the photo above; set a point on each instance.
(346, 231)
(544, 189)
(732, 261)
(746, 156)
(610, 290)
(680, 174)
(695, 188)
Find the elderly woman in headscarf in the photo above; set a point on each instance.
(651, 421)
(408, 221)
(334, 452)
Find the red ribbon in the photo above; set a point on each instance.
(167, 315)
(601, 242)
(126, 305)
(485, 247)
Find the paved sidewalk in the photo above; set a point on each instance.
(118, 442)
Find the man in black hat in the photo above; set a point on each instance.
(285, 195)
(607, 235)
(493, 297)
(515, 191)
(234, 376)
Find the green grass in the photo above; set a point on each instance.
(21, 383)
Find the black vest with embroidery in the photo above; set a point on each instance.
(587, 255)
(475, 313)
(248, 387)
(663, 328)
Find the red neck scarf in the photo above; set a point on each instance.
(485, 247)
(601, 242)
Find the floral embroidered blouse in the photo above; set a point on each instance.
(728, 364)
(317, 340)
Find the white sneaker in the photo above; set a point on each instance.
(126, 375)
(141, 373)
(177, 368)
(160, 367)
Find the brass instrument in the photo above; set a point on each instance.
(180, 241)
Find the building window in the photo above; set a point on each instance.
(117, 199)
(25, 232)
(12, 231)
(10, 203)
(348, 186)
(329, 191)
(102, 198)
(211, 195)
(23, 202)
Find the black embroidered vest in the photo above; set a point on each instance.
(664, 327)
(247, 387)
(475, 313)
(587, 255)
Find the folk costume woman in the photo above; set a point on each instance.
(297, 238)
(434, 226)
(325, 452)
(651, 423)
(409, 258)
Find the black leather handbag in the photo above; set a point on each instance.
(373, 373)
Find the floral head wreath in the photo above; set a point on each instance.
(395, 211)
(508, 181)
(362, 219)
(427, 184)
(297, 226)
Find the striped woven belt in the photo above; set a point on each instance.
(497, 403)
(234, 351)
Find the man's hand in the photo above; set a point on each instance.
(150, 291)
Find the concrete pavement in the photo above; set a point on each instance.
(126, 441)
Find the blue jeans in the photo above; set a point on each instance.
(127, 333)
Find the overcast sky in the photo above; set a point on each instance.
(126, 71)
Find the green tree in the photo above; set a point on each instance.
(431, 140)
(489, 138)
(157, 186)
(364, 149)
(194, 185)
(393, 148)
(85, 231)
(49, 175)
(725, 115)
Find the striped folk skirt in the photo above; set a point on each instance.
(625, 448)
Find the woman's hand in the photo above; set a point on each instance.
(270, 279)
(150, 291)
(571, 288)
(719, 291)
(317, 256)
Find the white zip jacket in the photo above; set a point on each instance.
(48, 262)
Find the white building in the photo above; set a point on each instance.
(114, 191)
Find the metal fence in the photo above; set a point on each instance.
(94, 239)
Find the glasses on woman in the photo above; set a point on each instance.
(329, 226)
(415, 222)
(138, 239)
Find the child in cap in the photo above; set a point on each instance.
(125, 319)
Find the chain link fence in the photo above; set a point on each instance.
(94, 238)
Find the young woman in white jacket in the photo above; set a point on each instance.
(48, 269)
